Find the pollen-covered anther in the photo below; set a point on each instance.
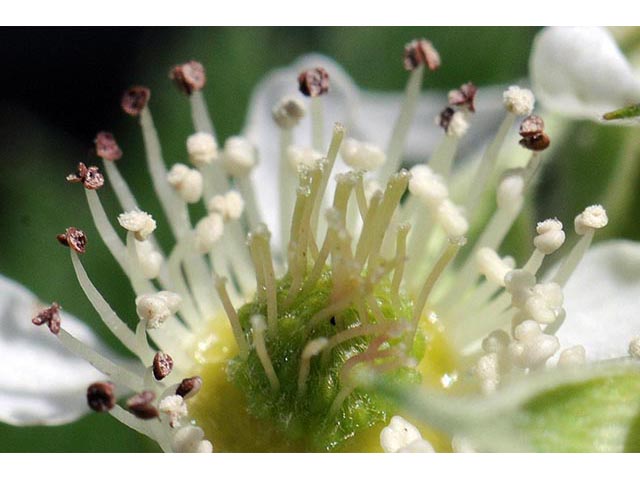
(313, 82)
(532, 133)
(106, 147)
(531, 347)
(400, 436)
(189, 387)
(90, 177)
(492, 266)
(49, 316)
(186, 181)
(141, 405)
(149, 258)
(288, 112)
(156, 308)
(427, 186)
(302, 157)
(190, 439)
(189, 77)
(572, 356)
(135, 99)
(239, 156)
(464, 96)
(362, 155)
(550, 236)
(592, 218)
(452, 220)
(202, 149)
(544, 305)
(519, 283)
(162, 365)
(634, 348)
(421, 52)
(487, 370)
(208, 231)
(140, 223)
(230, 205)
(519, 101)
(101, 396)
(74, 239)
(174, 407)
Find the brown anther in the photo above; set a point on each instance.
(141, 405)
(421, 52)
(162, 365)
(444, 118)
(90, 177)
(101, 396)
(135, 99)
(464, 96)
(314, 82)
(537, 143)
(74, 239)
(189, 387)
(49, 316)
(106, 147)
(189, 77)
(531, 126)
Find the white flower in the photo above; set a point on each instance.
(350, 244)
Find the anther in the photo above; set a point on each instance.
(305, 157)
(189, 77)
(464, 96)
(140, 223)
(454, 123)
(519, 101)
(190, 439)
(74, 239)
(208, 231)
(135, 99)
(362, 155)
(532, 133)
(202, 149)
(187, 182)
(398, 435)
(175, 408)
(106, 147)
(229, 206)
(49, 316)
(156, 308)
(313, 82)
(90, 177)
(532, 348)
(141, 405)
(572, 356)
(592, 218)
(550, 236)
(189, 387)
(101, 396)
(288, 112)
(492, 266)
(239, 156)
(421, 52)
(444, 118)
(162, 365)
(634, 348)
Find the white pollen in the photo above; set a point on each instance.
(202, 149)
(208, 231)
(362, 155)
(288, 112)
(488, 372)
(519, 101)
(452, 220)
(545, 303)
(190, 439)
(550, 236)
(230, 205)
(398, 434)
(175, 408)
(140, 223)
(592, 218)
(186, 181)
(531, 347)
(417, 446)
(572, 356)
(510, 192)
(239, 156)
(427, 186)
(492, 266)
(634, 348)
(155, 308)
(458, 125)
(302, 157)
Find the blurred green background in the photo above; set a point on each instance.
(64, 85)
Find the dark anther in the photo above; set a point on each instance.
(314, 82)
(101, 396)
(189, 77)
(141, 405)
(49, 316)
(107, 147)
(73, 238)
(135, 99)
(162, 365)
(189, 387)
(421, 52)
(464, 97)
(90, 177)
(444, 118)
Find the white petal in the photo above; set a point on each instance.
(40, 381)
(581, 72)
(602, 299)
(367, 115)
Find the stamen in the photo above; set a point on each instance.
(399, 262)
(261, 251)
(549, 239)
(634, 348)
(314, 83)
(49, 316)
(189, 77)
(313, 348)
(101, 396)
(107, 148)
(141, 405)
(189, 387)
(162, 365)
(202, 149)
(573, 356)
(186, 181)
(258, 327)
(174, 407)
(232, 315)
(239, 159)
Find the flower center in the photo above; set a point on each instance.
(295, 390)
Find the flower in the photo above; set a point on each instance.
(269, 347)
